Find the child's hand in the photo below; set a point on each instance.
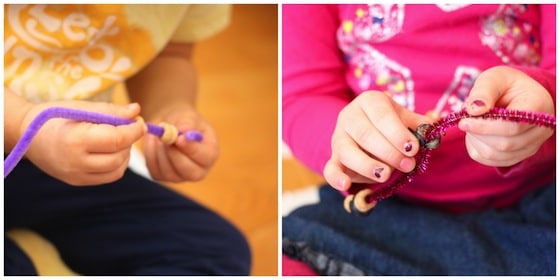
(81, 153)
(370, 139)
(499, 143)
(184, 160)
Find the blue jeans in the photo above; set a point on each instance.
(398, 238)
(130, 227)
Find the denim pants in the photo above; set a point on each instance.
(133, 226)
(398, 238)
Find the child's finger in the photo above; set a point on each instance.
(105, 162)
(186, 168)
(335, 176)
(150, 152)
(341, 178)
(112, 175)
(97, 178)
(487, 155)
(203, 153)
(486, 91)
(492, 127)
(107, 138)
(166, 167)
(129, 111)
(354, 158)
(386, 119)
(371, 140)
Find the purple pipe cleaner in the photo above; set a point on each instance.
(438, 129)
(78, 115)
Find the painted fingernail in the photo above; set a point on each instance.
(193, 135)
(377, 172)
(478, 103)
(408, 147)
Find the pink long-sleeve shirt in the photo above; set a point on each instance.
(427, 58)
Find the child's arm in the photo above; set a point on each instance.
(347, 139)
(77, 153)
(166, 90)
(168, 80)
(313, 87)
(15, 109)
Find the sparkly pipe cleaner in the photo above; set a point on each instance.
(428, 135)
(85, 116)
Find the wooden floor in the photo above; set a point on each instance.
(238, 71)
(295, 175)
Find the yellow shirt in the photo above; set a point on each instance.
(73, 51)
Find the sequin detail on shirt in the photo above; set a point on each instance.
(454, 96)
(57, 52)
(511, 39)
(377, 23)
(371, 68)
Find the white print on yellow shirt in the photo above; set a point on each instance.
(63, 55)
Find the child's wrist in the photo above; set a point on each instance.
(16, 124)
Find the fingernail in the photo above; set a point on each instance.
(193, 135)
(340, 184)
(407, 164)
(464, 126)
(141, 121)
(377, 172)
(132, 106)
(408, 146)
(478, 103)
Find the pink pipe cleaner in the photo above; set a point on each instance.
(22, 145)
(434, 131)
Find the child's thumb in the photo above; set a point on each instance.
(124, 111)
(485, 93)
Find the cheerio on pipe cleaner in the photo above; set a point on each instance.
(166, 132)
(362, 202)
